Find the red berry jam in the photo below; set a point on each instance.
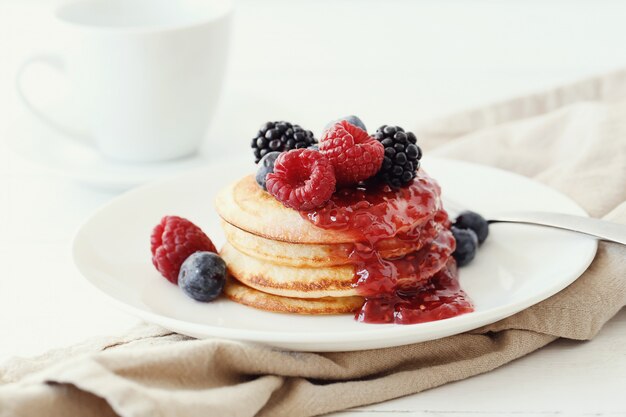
(416, 287)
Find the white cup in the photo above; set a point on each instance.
(146, 73)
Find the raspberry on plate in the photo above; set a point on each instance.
(303, 179)
(172, 241)
(354, 154)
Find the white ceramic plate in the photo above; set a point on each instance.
(81, 162)
(515, 268)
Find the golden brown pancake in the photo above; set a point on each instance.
(335, 281)
(328, 281)
(309, 255)
(242, 294)
(246, 206)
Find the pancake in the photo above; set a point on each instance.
(289, 281)
(333, 281)
(246, 206)
(314, 255)
(245, 295)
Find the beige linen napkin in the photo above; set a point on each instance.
(572, 138)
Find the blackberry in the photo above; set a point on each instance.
(402, 155)
(280, 137)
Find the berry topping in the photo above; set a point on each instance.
(202, 276)
(473, 221)
(354, 154)
(402, 155)
(466, 245)
(172, 241)
(353, 120)
(280, 137)
(266, 166)
(303, 179)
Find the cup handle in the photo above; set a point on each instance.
(57, 63)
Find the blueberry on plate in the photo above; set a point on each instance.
(475, 222)
(353, 120)
(266, 166)
(202, 276)
(466, 245)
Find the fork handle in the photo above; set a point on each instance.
(601, 229)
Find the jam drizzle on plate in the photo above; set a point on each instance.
(418, 287)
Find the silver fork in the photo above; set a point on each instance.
(601, 229)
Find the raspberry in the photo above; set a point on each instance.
(354, 154)
(303, 179)
(172, 241)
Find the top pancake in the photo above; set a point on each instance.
(246, 206)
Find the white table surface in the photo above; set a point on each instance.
(310, 61)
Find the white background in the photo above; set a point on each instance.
(310, 61)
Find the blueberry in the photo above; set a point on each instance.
(475, 222)
(466, 245)
(353, 120)
(202, 276)
(266, 166)
(314, 147)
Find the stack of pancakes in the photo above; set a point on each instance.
(279, 261)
